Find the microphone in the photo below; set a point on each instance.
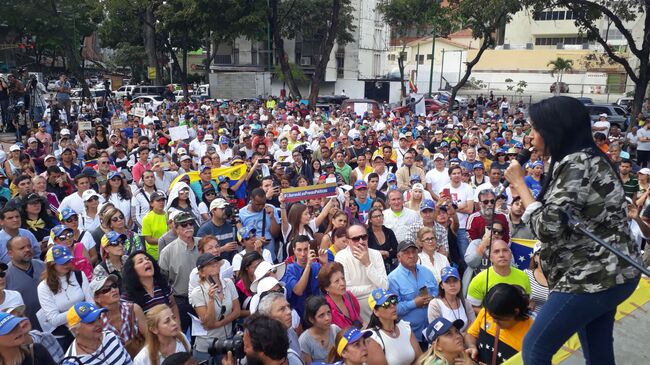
(522, 158)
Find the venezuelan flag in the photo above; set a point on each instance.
(234, 173)
(522, 251)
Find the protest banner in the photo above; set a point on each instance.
(85, 125)
(139, 112)
(178, 133)
(309, 192)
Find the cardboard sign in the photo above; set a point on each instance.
(178, 133)
(117, 124)
(85, 125)
(139, 112)
(309, 192)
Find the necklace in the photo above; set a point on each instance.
(394, 333)
(453, 311)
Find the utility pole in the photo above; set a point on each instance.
(433, 50)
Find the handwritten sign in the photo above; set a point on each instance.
(117, 124)
(139, 112)
(85, 125)
(309, 192)
(178, 133)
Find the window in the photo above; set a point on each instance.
(404, 55)
(420, 59)
(391, 57)
(429, 57)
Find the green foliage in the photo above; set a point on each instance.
(309, 19)
(559, 66)
(296, 73)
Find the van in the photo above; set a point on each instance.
(122, 91)
(147, 90)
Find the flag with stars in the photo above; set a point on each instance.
(522, 251)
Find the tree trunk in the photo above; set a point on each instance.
(208, 59)
(176, 66)
(279, 46)
(487, 42)
(400, 65)
(640, 89)
(327, 43)
(184, 78)
(149, 36)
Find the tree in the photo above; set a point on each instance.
(484, 18)
(620, 14)
(399, 15)
(558, 67)
(304, 19)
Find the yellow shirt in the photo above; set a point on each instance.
(154, 225)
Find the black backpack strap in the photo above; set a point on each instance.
(77, 276)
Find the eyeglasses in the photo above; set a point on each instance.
(488, 201)
(65, 236)
(116, 243)
(185, 224)
(106, 289)
(363, 237)
(429, 239)
(497, 231)
(71, 219)
(377, 216)
(388, 303)
(208, 193)
(117, 218)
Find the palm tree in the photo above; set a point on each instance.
(559, 67)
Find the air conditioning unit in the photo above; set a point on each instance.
(529, 46)
(585, 46)
(506, 46)
(305, 61)
(560, 45)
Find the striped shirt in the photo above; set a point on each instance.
(160, 296)
(538, 292)
(111, 352)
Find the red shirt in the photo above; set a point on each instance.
(476, 226)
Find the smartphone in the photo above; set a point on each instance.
(263, 160)
(285, 164)
(163, 165)
(211, 280)
(424, 292)
(446, 192)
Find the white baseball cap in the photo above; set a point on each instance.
(263, 269)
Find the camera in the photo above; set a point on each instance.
(305, 151)
(234, 345)
(231, 211)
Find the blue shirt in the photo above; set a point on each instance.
(225, 234)
(534, 185)
(197, 187)
(291, 277)
(73, 171)
(407, 287)
(254, 219)
(5, 237)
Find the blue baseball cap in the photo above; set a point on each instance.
(248, 232)
(224, 140)
(83, 312)
(66, 213)
(58, 254)
(41, 124)
(113, 174)
(203, 168)
(59, 229)
(351, 335)
(440, 326)
(536, 163)
(8, 322)
(391, 177)
(427, 204)
(415, 177)
(478, 165)
(379, 297)
(519, 145)
(454, 160)
(222, 179)
(449, 272)
(444, 144)
(360, 184)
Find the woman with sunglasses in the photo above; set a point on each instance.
(93, 345)
(182, 198)
(429, 257)
(392, 340)
(450, 302)
(70, 219)
(89, 217)
(117, 192)
(13, 350)
(124, 319)
(144, 284)
(36, 217)
(112, 255)
(64, 235)
(100, 140)
(345, 309)
(216, 303)
(61, 288)
(207, 196)
(114, 220)
(246, 276)
(164, 337)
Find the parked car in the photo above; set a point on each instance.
(96, 94)
(431, 106)
(325, 101)
(139, 90)
(444, 97)
(361, 106)
(122, 91)
(624, 102)
(564, 87)
(616, 115)
(153, 101)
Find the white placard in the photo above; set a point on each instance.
(85, 125)
(360, 108)
(139, 112)
(178, 133)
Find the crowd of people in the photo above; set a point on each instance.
(124, 244)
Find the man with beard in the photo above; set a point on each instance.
(477, 221)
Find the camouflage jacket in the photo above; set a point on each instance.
(573, 262)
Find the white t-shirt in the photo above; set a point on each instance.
(460, 195)
(236, 260)
(602, 123)
(398, 351)
(142, 358)
(437, 179)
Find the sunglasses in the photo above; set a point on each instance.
(488, 201)
(363, 237)
(208, 193)
(107, 289)
(71, 219)
(117, 218)
(65, 236)
(186, 224)
(116, 243)
(388, 303)
(497, 231)
(93, 198)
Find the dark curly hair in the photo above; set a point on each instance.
(131, 285)
(268, 336)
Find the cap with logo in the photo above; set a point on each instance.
(379, 297)
(89, 194)
(83, 312)
(351, 335)
(427, 204)
(66, 213)
(440, 326)
(391, 177)
(157, 195)
(98, 282)
(183, 217)
(112, 238)
(449, 272)
(58, 254)
(8, 322)
(360, 184)
(406, 244)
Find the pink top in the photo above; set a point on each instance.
(81, 263)
(352, 306)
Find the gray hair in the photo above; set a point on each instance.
(266, 303)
